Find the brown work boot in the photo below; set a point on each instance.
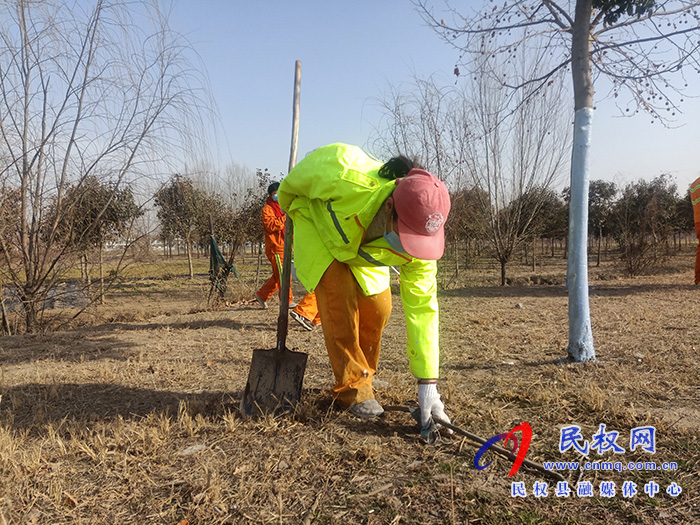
(367, 409)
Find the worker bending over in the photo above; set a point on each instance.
(354, 217)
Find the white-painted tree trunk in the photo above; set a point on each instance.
(580, 333)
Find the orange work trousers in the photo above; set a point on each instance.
(352, 328)
(308, 308)
(273, 283)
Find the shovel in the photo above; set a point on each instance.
(276, 376)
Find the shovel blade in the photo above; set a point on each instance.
(274, 382)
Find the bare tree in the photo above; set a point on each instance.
(86, 91)
(642, 47)
(516, 152)
(423, 121)
(231, 183)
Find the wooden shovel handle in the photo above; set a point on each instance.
(295, 115)
(283, 320)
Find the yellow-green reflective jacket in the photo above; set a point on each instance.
(332, 195)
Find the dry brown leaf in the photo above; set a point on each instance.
(69, 501)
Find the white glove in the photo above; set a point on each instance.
(430, 405)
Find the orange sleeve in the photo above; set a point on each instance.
(271, 223)
(274, 229)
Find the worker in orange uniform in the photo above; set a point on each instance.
(354, 218)
(273, 220)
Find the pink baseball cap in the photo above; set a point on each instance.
(422, 204)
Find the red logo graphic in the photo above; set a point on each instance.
(526, 430)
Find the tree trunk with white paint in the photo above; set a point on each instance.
(580, 346)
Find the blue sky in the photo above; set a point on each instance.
(351, 52)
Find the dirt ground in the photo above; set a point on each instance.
(132, 417)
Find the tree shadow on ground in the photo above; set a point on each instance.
(199, 324)
(560, 291)
(30, 407)
(64, 346)
(99, 342)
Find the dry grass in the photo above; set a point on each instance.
(132, 417)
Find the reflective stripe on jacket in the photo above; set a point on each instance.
(332, 195)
